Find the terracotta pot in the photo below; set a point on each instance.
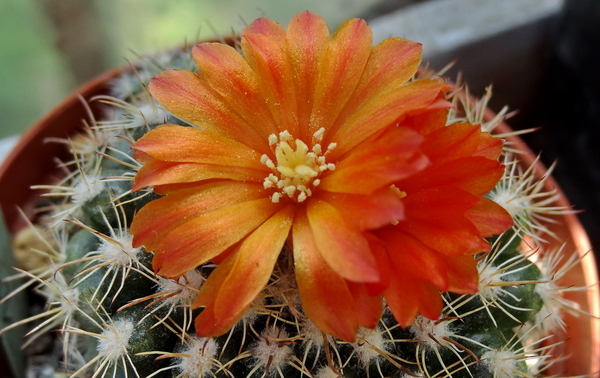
(582, 339)
(33, 161)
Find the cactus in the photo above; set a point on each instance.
(117, 315)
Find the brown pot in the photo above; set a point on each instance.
(33, 161)
(582, 339)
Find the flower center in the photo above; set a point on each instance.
(297, 170)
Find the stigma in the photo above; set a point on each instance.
(296, 169)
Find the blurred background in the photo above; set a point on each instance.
(49, 47)
(542, 56)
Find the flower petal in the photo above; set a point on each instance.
(391, 64)
(207, 235)
(428, 121)
(489, 218)
(402, 298)
(461, 140)
(159, 217)
(367, 211)
(436, 217)
(307, 40)
(381, 112)
(326, 299)
(207, 324)
(252, 264)
(209, 291)
(268, 28)
(376, 163)
(369, 306)
(227, 72)
(187, 144)
(383, 266)
(407, 295)
(405, 250)
(258, 254)
(339, 72)
(159, 173)
(476, 175)
(463, 276)
(187, 96)
(341, 243)
(269, 60)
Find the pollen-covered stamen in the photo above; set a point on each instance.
(297, 168)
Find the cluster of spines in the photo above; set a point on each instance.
(117, 318)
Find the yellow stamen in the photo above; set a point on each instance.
(296, 167)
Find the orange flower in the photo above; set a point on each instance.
(445, 218)
(299, 140)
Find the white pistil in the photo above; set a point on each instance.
(296, 167)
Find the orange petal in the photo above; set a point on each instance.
(391, 64)
(430, 300)
(407, 295)
(339, 72)
(161, 216)
(424, 263)
(476, 175)
(187, 144)
(436, 217)
(463, 276)
(207, 324)
(252, 270)
(458, 141)
(428, 121)
(203, 237)
(489, 146)
(376, 163)
(402, 297)
(383, 266)
(326, 299)
(381, 112)
(187, 96)
(267, 27)
(367, 211)
(242, 276)
(160, 173)
(269, 62)
(209, 291)
(307, 40)
(228, 73)
(341, 243)
(369, 306)
(489, 218)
